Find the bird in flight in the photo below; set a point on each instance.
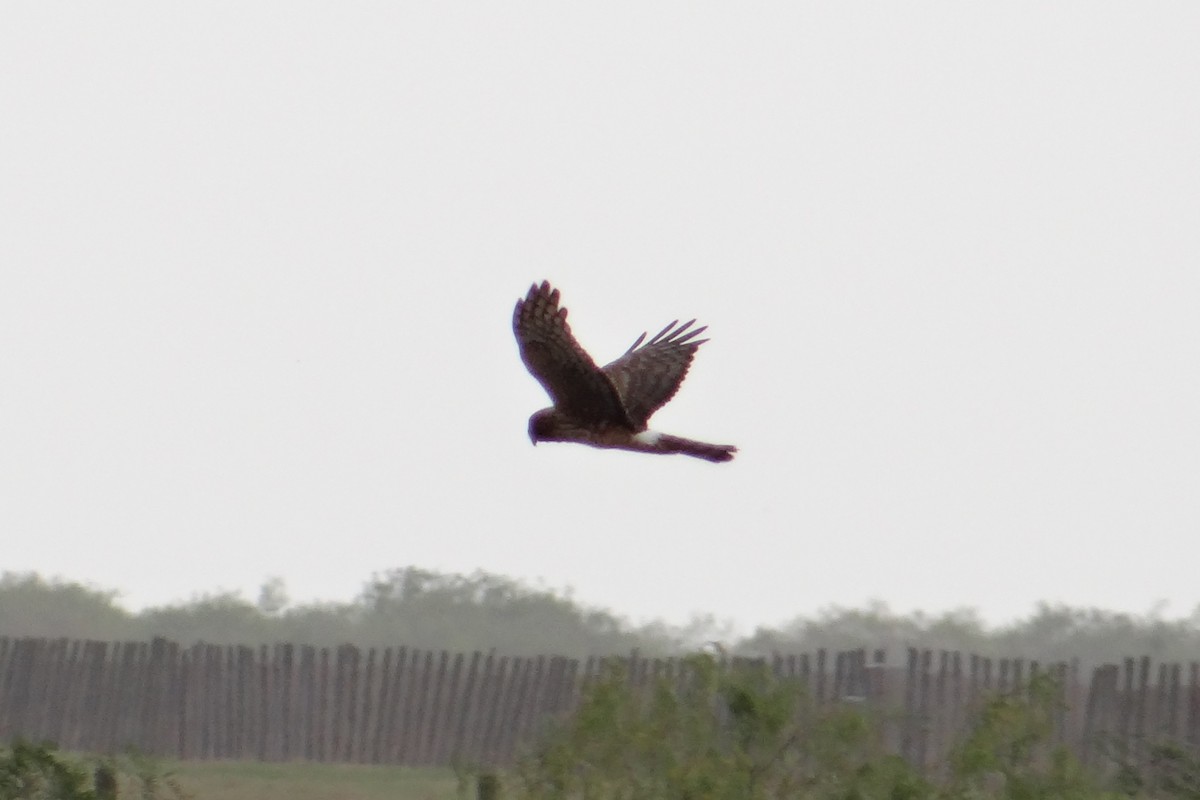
(605, 406)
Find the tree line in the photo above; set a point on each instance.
(483, 611)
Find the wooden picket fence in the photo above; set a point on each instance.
(397, 705)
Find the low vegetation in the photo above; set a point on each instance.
(39, 772)
(707, 734)
(744, 735)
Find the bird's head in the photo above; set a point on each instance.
(544, 426)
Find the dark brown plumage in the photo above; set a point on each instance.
(610, 406)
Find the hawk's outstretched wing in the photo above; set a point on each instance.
(648, 376)
(577, 386)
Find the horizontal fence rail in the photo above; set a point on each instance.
(397, 705)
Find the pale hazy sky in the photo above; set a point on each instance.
(259, 262)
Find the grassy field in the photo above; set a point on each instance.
(241, 780)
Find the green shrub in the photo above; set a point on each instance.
(1009, 750)
(39, 772)
(742, 734)
(712, 734)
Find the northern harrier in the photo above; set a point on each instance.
(609, 406)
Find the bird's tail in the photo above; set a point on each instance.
(690, 447)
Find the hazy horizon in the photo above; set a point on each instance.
(1160, 609)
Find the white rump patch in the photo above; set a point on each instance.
(648, 437)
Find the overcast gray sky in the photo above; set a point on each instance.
(259, 262)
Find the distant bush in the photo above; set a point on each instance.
(1052, 632)
(483, 611)
(409, 606)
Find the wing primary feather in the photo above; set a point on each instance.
(658, 335)
(682, 328)
(633, 346)
(691, 335)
